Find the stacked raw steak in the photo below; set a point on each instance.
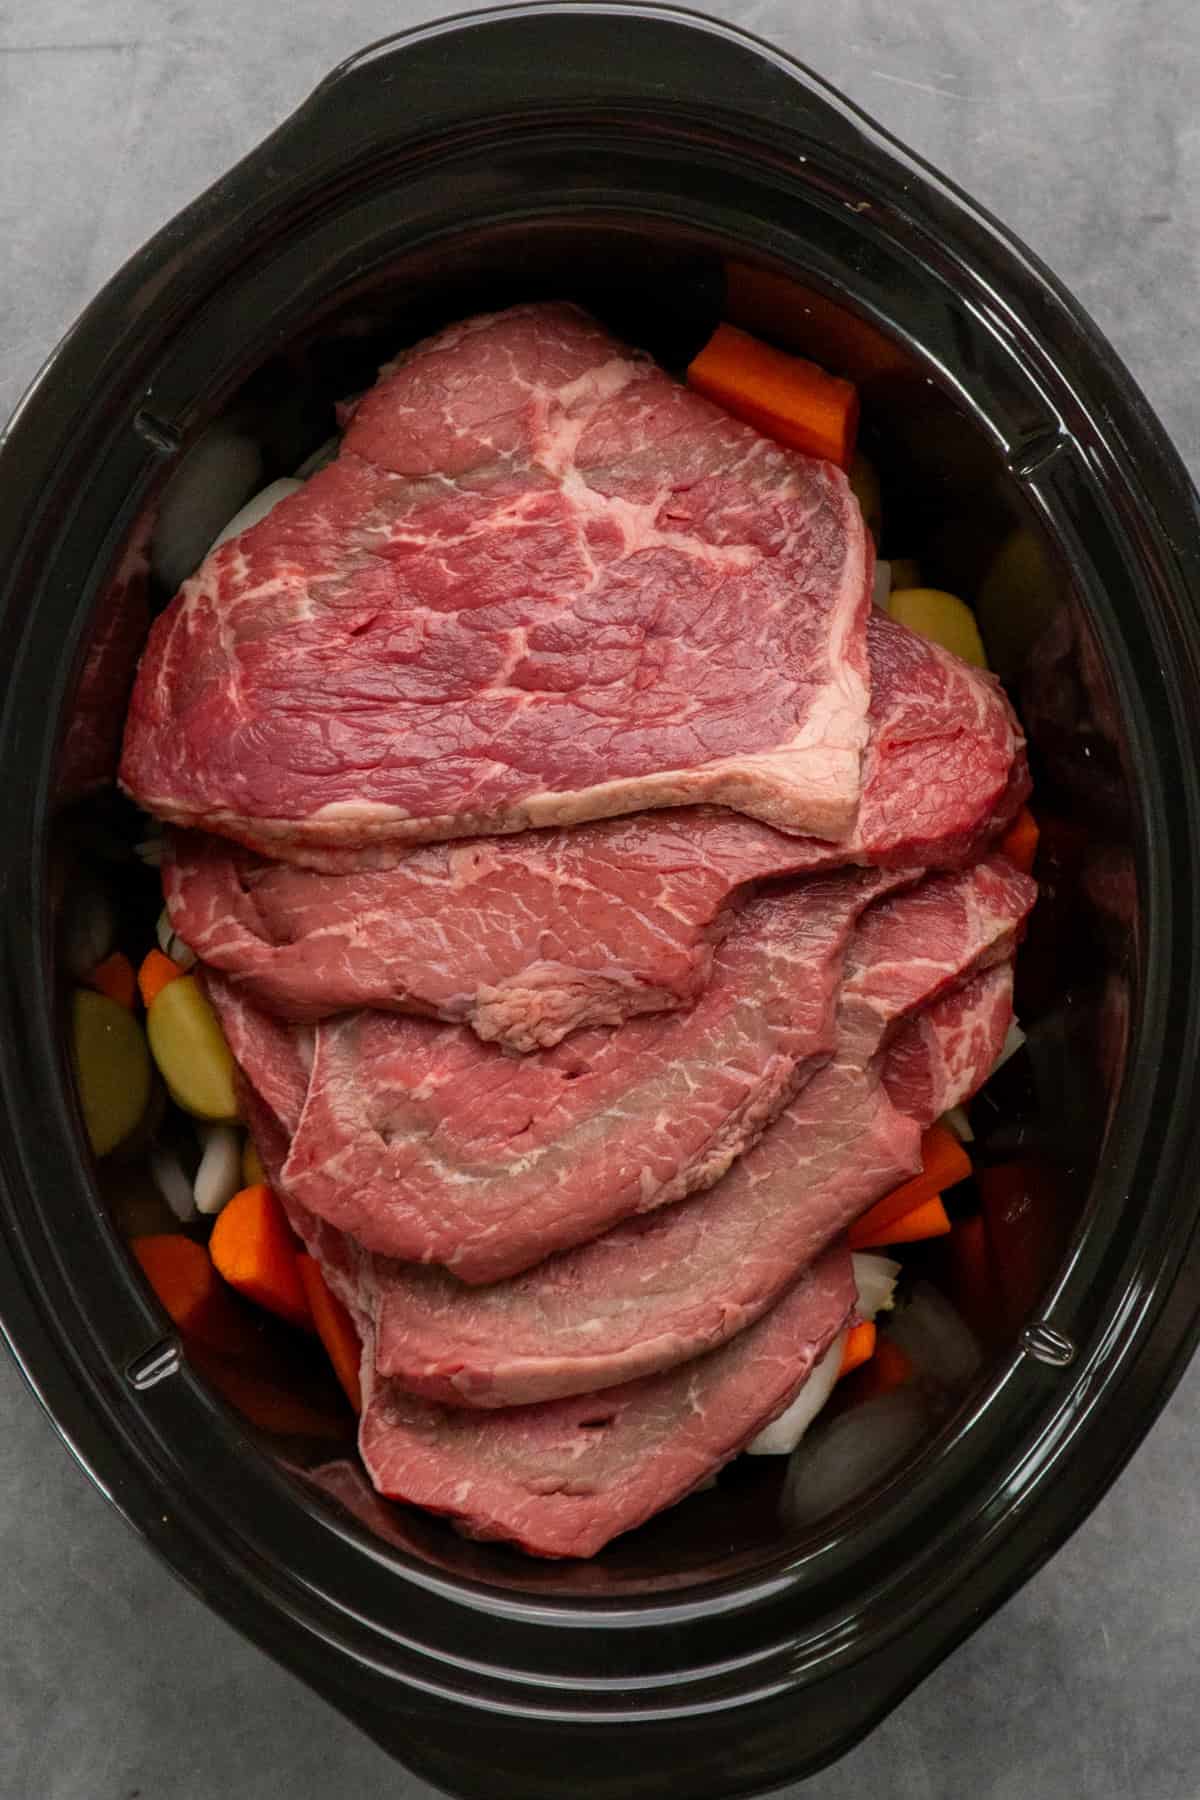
(598, 899)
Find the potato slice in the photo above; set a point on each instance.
(190, 1050)
(941, 617)
(112, 1068)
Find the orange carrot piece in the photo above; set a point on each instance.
(267, 1403)
(784, 397)
(182, 1275)
(253, 1248)
(115, 977)
(858, 1348)
(153, 976)
(929, 1220)
(1020, 841)
(335, 1328)
(972, 1278)
(943, 1163)
(888, 1369)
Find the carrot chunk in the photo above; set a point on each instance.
(335, 1328)
(1020, 841)
(943, 1163)
(153, 976)
(181, 1273)
(115, 977)
(784, 397)
(253, 1248)
(889, 1368)
(929, 1220)
(858, 1348)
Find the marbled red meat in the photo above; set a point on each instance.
(541, 582)
(529, 937)
(426, 1144)
(668, 1285)
(564, 1477)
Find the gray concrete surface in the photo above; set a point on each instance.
(1075, 123)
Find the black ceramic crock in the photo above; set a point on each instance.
(645, 159)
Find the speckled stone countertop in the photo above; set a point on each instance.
(1076, 123)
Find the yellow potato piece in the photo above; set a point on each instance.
(942, 617)
(864, 485)
(112, 1068)
(253, 1173)
(191, 1052)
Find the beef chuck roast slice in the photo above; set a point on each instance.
(564, 1477)
(529, 937)
(945, 1052)
(542, 582)
(670, 1284)
(429, 1145)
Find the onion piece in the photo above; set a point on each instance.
(941, 1346)
(852, 1453)
(220, 1173)
(781, 1436)
(256, 510)
(172, 945)
(216, 476)
(875, 1278)
(171, 1182)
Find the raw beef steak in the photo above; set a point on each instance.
(529, 937)
(541, 582)
(429, 1145)
(564, 1477)
(667, 1285)
(942, 1055)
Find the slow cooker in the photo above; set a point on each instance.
(667, 171)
